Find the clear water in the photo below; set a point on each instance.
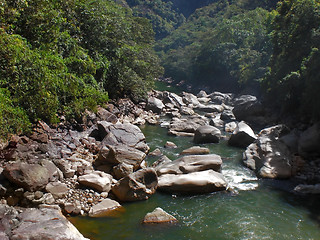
(260, 209)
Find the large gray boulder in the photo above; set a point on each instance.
(137, 186)
(187, 125)
(155, 105)
(247, 108)
(242, 136)
(191, 163)
(211, 108)
(219, 98)
(207, 134)
(126, 134)
(309, 142)
(173, 98)
(31, 176)
(269, 157)
(120, 154)
(189, 98)
(193, 183)
(31, 223)
(97, 180)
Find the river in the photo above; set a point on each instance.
(257, 209)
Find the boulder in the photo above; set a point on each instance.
(121, 154)
(309, 142)
(207, 134)
(159, 216)
(186, 111)
(155, 105)
(227, 115)
(126, 134)
(202, 94)
(242, 136)
(247, 107)
(186, 125)
(216, 122)
(105, 115)
(122, 170)
(97, 180)
(43, 223)
(160, 162)
(269, 157)
(137, 186)
(173, 98)
(230, 127)
(193, 183)
(210, 108)
(189, 98)
(32, 177)
(57, 189)
(219, 98)
(196, 150)
(105, 208)
(191, 163)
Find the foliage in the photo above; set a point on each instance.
(61, 57)
(223, 45)
(293, 79)
(161, 14)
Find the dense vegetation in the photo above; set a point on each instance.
(60, 57)
(223, 45)
(293, 81)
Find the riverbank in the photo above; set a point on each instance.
(79, 170)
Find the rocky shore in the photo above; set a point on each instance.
(92, 166)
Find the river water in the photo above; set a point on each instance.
(257, 209)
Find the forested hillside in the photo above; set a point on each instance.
(61, 57)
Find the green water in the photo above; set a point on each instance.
(259, 210)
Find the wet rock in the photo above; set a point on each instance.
(44, 223)
(104, 208)
(137, 186)
(242, 136)
(196, 150)
(97, 180)
(31, 176)
(207, 134)
(193, 183)
(57, 189)
(155, 105)
(191, 163)
(159, 216)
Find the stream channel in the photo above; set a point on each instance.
(260, 209)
